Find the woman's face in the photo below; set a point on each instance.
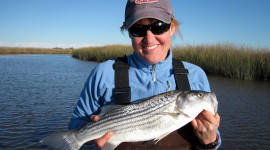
(152, 48)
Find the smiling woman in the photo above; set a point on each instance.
(150, 72)
(154, 43)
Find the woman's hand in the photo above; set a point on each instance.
(102, 140)
(205, 126)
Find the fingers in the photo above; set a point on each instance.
(207, 116)
(94, 118)
(195, 123)
(198, 125)
(101, 141)
(206, 121)
(205, 126)
(217, 117)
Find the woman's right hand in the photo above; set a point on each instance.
(102, 140)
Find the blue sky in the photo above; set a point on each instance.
(81, 23)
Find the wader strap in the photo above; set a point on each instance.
(122, 93)
(180, 75)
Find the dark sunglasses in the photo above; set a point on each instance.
(156, 28)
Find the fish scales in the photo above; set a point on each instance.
(134, 108)
(132, 117)
(157, 116)
(129, 126)
(131, 113)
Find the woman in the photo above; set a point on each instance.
(151, 25)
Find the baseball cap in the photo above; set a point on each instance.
(139, 9)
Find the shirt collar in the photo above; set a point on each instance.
(147, 67)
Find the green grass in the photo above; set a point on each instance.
(220, 59)
(28, 50)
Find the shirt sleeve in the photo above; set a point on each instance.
(97, 91)
(85, 106)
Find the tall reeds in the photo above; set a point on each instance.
(220, 59)
(228, 60)
(102, 53)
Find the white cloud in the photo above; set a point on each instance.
(45, 45)
(3, 43)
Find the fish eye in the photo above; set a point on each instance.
(200, 94)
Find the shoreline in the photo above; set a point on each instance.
(225, 60)
(29, 50)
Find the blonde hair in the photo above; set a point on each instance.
(174, 22)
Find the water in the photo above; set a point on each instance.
(244, 110)
(39, 92)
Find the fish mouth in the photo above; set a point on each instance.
(214, 102)
(215, 109)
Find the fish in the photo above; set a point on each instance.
(149, 119)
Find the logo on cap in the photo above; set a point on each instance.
(145, 1)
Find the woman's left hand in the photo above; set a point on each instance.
(205, 126)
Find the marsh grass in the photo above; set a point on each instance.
(102, 53)
(220, 59)
(28, 50)
(228, 60)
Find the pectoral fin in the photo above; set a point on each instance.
(156, 140)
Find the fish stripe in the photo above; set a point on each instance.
(136, 115)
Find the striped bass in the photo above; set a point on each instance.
(149, 119)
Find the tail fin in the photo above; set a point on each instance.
(62, 141)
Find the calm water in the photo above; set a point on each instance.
(39, 92)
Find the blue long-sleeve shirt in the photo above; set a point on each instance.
(145, 80)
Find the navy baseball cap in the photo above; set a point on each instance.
(139, 9)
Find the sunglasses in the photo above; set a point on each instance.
(156, 28)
